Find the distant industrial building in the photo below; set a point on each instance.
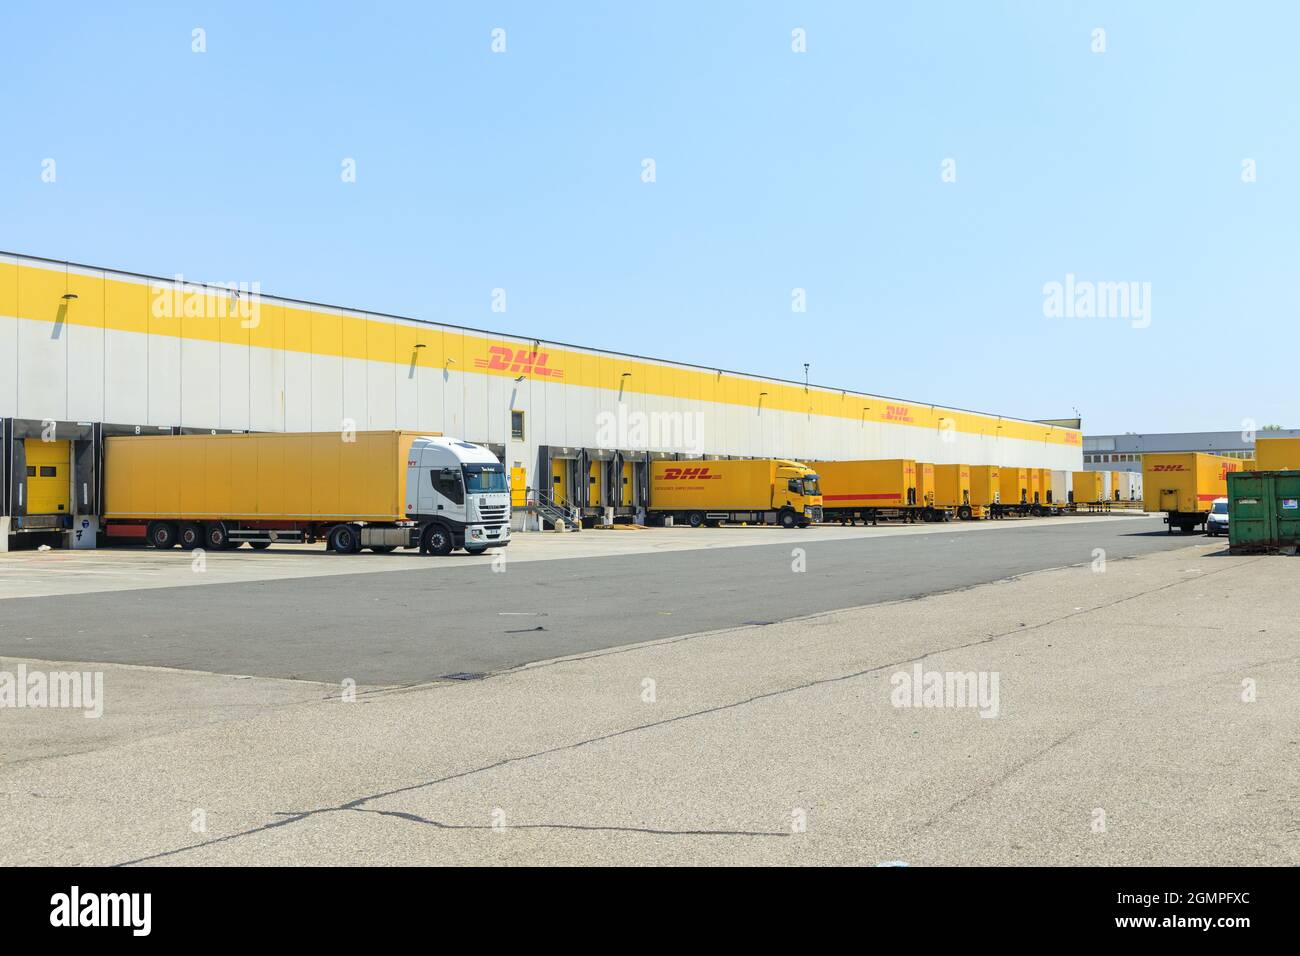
(1124, 452)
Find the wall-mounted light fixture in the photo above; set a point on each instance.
(69, 296)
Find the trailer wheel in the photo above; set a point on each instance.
(162, 535)
(217, 537)
(964, 512)
(787, 519)
(437, 540)
(695, 519)
(345, 540)
(191, 536)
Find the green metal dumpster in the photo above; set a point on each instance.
(1263, 511)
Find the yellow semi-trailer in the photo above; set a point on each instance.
(1037, 493)
(1276, 454)
(762, 491)
(925, 493)
(985, 490)
(379, 490)
(1184, 486)
(952, 490)
(869, 490)
(1089, 487)
(1014, 491)
(1059, 491)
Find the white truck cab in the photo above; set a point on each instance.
(457, 492)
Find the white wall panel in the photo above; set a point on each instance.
(327, 393)
(86, 372)
(453, 392)
(200, 374)
(297, 392)
(8, 365)
(236, 385)
(43, 370)
(476, 406)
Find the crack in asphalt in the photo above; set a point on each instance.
(357, 804)
(606, 828)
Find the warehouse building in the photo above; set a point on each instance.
(1124, 452)
(87, 353)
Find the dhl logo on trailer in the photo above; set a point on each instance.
(688, 474)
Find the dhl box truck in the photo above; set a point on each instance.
(985, 490)
(762, 491)
(952, 490)
(1184, 485)
(1276, 454)
(1014, 491)
(379, 490)
(869, 490)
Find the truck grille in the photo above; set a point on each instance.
(494, 514)
(813, 512)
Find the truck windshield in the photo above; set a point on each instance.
(485, 478)
(811, 486)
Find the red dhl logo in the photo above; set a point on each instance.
(1072, 438)
(697, 474)
(503, 359)
(898, 413)
(1168, 467)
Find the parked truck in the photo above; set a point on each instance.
(925, 493)
(869, 490)
(1059, 491)
(1015, 492)
(760, 491)
(1184, 485)
(952, 490)
(985, 490)
(380, 490)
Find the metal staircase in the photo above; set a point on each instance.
(553, 510)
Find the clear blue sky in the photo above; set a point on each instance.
(775, 170)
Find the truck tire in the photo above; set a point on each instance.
(695, 519)
(162, 535)
(436, 540)
(191, 536)
(216, 537)
(787, 519)
(964, 513)
(344, 539)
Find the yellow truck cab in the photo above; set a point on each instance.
(758, 491)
